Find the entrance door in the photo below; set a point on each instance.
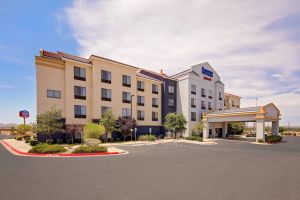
(219, 132)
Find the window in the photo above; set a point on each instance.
(126, 112)
(220, 96)
(193, 89)
(141, 86)
(126, 97)
(104, 109)
(154, 89)
(155, 102)
(79, 92)
(193, 116)
(220, 106)
(126, 80)
(209, 106)
(79, 73)
(171, 89)
(203, 92)
(233, 103)
(140, 100)
(80, 111)
(54, 94)
(105, 94)
(209, 94)
(171, 102)
(105, 76)
(203, 105)
(193, 102)
(154, 116)
(140, 115)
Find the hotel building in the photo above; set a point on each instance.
(85, 88)
(200, 90)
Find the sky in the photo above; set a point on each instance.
(253, 45)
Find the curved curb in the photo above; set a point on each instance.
(21, 153)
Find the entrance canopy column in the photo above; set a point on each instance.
(205, 130)
(260, 130)
(275, 127)
(224, 133)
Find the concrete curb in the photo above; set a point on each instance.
(20, 153)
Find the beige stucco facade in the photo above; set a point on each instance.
(231, 101)
(58, 74)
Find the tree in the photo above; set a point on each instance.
(124, 124)
(23, 129)
(175, 123)
(12, 130)
(198, 129)
(236, 128)
(49, 123)
(109, 122)
(93, 131)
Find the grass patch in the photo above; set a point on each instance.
(47, 148)
(147, 138)
(194, 138)
(90, 149)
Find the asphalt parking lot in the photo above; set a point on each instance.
(229, 170)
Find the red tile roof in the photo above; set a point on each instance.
(72, 57)
(51, 55)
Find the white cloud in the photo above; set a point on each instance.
(234, 36)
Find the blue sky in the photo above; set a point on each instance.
(253, 45)
(25, 27)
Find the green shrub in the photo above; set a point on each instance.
(27, 140)
(19, 137)
(33, 142)
(260, 141)
(274, 138)
(93, 131)
(47, 148)
(90, 149)
(194, 138)
(147, 137)
(23, 128)
(26, 137)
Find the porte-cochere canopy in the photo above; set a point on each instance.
(260, 115)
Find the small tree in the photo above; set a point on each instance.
(236, 128)
(175, 123)
(198, 129)
(23, 129)
(12, 130)
(109, 122)
(93, 131)
(49, 123)
(124, 124)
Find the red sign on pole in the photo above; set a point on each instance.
(24, 114)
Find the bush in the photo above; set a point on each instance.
(27, 137)
(273, 138)
(27, 140)
(33, 142)
(23, 128)
(47, 148)
(19, 137)
(147, 137)
(93, 131)
(194, 138)
(260, 141)
(90, 149)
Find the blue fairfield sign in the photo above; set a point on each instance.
(207, 72)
